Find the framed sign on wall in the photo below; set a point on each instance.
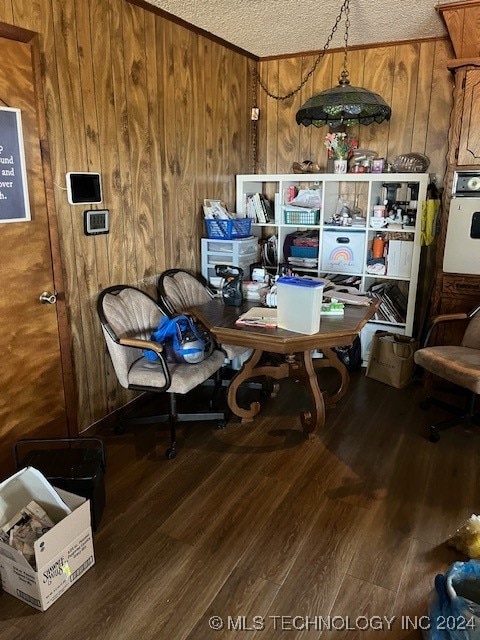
(14, 202)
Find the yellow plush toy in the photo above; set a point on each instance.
(467, 538)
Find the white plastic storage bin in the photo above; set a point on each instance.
(240, 253)
(343, 251)
(299, 303)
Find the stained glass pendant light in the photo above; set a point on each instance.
(344, 105)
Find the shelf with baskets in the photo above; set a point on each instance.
(342, 217)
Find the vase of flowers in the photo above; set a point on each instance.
(339, 149)
(340, 165)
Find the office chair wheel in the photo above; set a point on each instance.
(434, 435)
(275, 389)
(119, 429)
(222, 424)
(170, 453)
(270, 389)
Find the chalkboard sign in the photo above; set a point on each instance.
(14, 203)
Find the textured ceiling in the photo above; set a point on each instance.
(280, 27)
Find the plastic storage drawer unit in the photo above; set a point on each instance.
(76, 465)
(239, 253)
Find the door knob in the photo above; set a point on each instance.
(48, 298)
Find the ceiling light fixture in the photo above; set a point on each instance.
(344, 105)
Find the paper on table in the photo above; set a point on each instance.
(259, 316)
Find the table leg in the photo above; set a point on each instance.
(302, 369)
(250, 370)
(331, 360)
(298, 366)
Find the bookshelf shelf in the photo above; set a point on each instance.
(346, 250)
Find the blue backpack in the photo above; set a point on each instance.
(183, 341)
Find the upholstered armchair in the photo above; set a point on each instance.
(459, 365)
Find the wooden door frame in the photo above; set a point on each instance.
(18, 34)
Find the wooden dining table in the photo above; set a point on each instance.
(293, 354)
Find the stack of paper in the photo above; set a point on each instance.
(258, 317)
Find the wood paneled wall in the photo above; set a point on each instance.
(163, 113)
(411, 77)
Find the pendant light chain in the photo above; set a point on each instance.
(345, 37)
(254, 126)
(343, 9)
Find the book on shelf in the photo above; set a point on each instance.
(268, 209)
(258, 207)
(379, 314)
(398, 298)
(391, 310)
(393, 303)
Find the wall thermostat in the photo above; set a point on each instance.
(84, 188)
(95, 222)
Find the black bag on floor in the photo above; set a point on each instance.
(351, 356)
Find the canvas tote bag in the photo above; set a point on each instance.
(391, 359)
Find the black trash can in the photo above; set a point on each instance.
(76, 465)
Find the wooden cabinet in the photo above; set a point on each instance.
(459, 292)
(462, 19)
(468, 150)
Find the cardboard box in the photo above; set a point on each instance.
(393, 257)
(62, 554)
(343, 251)
(406, 254)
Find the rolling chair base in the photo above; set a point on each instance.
(465, 417)
(173, 417)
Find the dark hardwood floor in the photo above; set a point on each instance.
(271, 532)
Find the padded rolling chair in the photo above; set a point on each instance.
(457, 364)
(128, 317)
(178, 290)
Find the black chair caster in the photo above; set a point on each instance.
(119, 429)
(170, 453)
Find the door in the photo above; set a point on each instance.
(33, 399)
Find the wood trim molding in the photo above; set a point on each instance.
(460, 4)
(463, 62)
(64, 330)
(461, 19)
(10, 32)
(359, 47)
(187, 25)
